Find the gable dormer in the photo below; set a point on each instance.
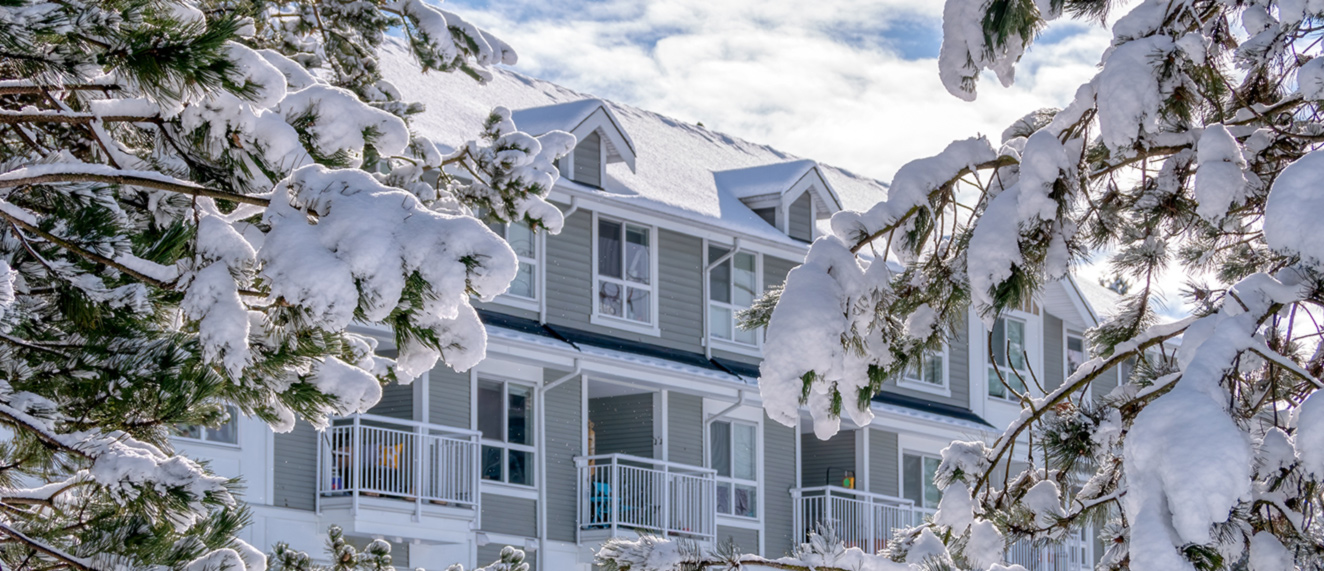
(791, 196)
(601, 138)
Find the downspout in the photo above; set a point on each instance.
(707, 287)
(540, 409)
(542, 267)
(707, 422)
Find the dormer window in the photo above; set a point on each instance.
(601, 139)
(588, 160)
(791, 197)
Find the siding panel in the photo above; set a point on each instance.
(1054, 346)
(801, 218)
(588, 160)
(779, 478)
(623, 424)
(564, 425)
(826, 461)
(884, 474)
(512, 516)
(294, 465)
(449, 397)
(685, 425)
(397, 402)
(680, 279)
(569, 271)
(746, 540)
(775, 270)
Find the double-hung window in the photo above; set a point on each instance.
(917, 472)
(625, 271)
(1008, 358)
(226, 433)
(1075, 352)
(525, 243)
(733, 447)
(732, 287)
(930, 370)
(505, 417)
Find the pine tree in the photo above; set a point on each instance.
(196, 199)
(1195, 149)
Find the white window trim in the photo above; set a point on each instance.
(734, 481)
(901, 469)
(1032, 340)
(532, 449)
(621, 322)
(945, 389)
(539, 258)
(731, 345)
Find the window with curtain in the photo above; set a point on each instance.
(1009, 358)
(624, 273)
(931, 369)
(505, 417)
(732, 287)
(733, 447)
(525, 243)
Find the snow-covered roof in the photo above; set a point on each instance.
(676, 160)
(571, 116)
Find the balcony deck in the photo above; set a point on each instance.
(622, 493)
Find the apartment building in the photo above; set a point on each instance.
(618, 397)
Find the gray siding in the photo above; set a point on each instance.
(505, 309)
(746, 540)
(512, 516)
(397, 401)
(884, 474)
(824, 462)
(588, 160)
(564, 425)
(1054, 352)
(570, 285)
(685, 428)
(800, 218)
(294, 461)
(779, 478)
(491, 553)
(623, 424)
(1106, 382)
(958, 374)
(775, 270)
(768, 215)
(449, 397)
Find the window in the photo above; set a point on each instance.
(226, 433)
(505, 417)
(917, 472)
(931, 370)
(1075, 352)
(624, 272)
(1008, 357)
(732, 286)
(734, 451)
(525, 243)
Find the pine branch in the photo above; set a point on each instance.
(69, 560)
(128, 178)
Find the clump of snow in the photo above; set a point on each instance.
(1219, 180)
(1127, 92)
(1268, 554)
(1291, 212)
(1309, 438)
(353, 119)
(985, 546)
(1043, 162)
(1044, 500)
(994, 250)
(956, 510)
(925, 548)
(965, 51)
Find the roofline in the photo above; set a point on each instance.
(602, 104)
(831, 192)
(1070, 278)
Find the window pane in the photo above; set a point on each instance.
(719, 286)
(720, 449)
(1075, 353)
(519, 419)
(746, 336)
(743, 454)
(912, 473)
(1000, 342)
(744, 279)
(228, 432)
(523, 284)
(521, 240)
(723, 498)
(719, 320)
(639, 305)
(490, 410)
(933, 373)
(747, 501)
(520, 468)
(1016, 344)
(932, 495)
(611, 299)
(609, 248)
(995, 388)
(492, 463)
(188, 431)
(638, 264)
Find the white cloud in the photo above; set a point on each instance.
(826, 80)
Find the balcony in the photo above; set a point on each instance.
(382, 476)
(861, 519)
(620, 492)
(1074, 554)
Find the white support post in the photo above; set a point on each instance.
(355, 466)
(419, 456)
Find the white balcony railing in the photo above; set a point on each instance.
(377, 456)
(1074, 554)
(619, 491)
(861, 519)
